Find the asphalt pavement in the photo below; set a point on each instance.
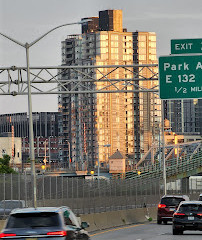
(148, 231)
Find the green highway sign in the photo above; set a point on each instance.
(185, 46)
(180, 77)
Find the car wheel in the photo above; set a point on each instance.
(181, 232)
(159, 221)
(175, 231)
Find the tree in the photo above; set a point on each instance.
(4, 165)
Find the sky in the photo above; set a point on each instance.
(26, 20)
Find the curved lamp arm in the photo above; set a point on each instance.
(13, 40)
(27, 45)
(38, 39)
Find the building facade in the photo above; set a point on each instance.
(44, 124)
(128, 121)
(45, 127)
(12, 147)
(185, 116)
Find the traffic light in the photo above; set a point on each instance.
(139, 172)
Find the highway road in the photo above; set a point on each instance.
(150, 231)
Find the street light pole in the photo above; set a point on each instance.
(31, 134)
(31, 131)
(163, 147)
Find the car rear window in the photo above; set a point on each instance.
(33, 220)
(171, 201)
(190, 208)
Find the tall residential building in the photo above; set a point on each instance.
(184, 115)
(129, 121)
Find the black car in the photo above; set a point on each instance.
(44, 223)
(187, 217)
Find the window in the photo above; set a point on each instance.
(171, 201)
(114, 50)
(103, 37)
(27, 220)
(142, 51)
(142, 38)
(153, 57)
(114, 56)
(152, 44)
(142, 57)
(191, 208)
(114, 37)
(104, 43)
(114, 44)
(152, 38)
(67, 218)
(142, 44)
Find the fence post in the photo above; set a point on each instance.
(50, 187)
(77, 194)
(4, 180)
(136, 193)
(19, 178)
(43, 189)
(11, 178)
(72, 193)
(56, 187)
(62, 195)
(67, 187)
(25, 181)
(83, 197)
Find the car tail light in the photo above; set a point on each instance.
(161, 206)
(199, 214)
(58, 233)
(178, 214)
(2, 235)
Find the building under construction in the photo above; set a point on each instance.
(127, 121)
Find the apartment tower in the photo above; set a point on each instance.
(128, 121)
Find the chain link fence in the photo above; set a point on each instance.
(90, 195)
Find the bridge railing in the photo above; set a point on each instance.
(174, 166)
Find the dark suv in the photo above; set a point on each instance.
(187, 217)
(44, 223)
(167, 206)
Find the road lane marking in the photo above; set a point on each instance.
(116, 229)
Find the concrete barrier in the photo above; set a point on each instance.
(99, 221)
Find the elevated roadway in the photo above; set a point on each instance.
(185, 164)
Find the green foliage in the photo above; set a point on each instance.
(4, 165)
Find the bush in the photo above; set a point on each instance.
(4, 165)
